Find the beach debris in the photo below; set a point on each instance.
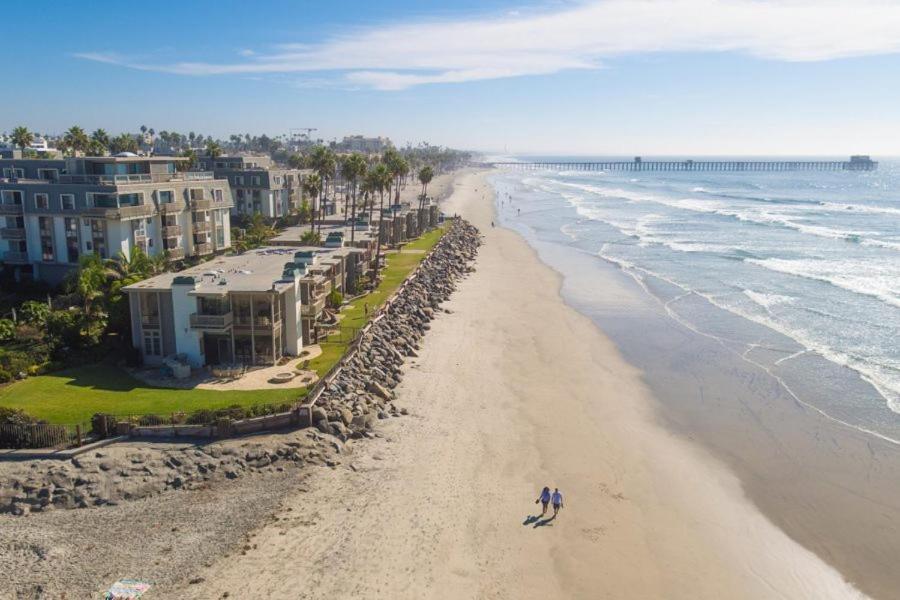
(126, 589)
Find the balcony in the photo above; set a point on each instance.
(313, 309)
(12, 233)
(206, 248)
(10, 209)
(170, 231)
(211, 322)
(140, 238)
(172, 208)
(150, 321)
(12, 257)
(137, 178)
(202, 226)
(123, 212)
(260, 322)
(175, 253)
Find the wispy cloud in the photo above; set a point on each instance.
(580, 36)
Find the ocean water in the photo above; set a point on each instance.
(810, 259)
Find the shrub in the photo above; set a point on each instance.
(7, 330)
(335, 299)
(35, 313)
(151, 420)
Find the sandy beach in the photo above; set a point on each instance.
(514, 390)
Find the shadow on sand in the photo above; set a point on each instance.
(538, 521)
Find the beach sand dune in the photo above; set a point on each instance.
(513, 390)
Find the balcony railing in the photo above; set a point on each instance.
(124, 212)
(170, 231)
(138, 178)
(260, 321)
(12, 233)
(202, 226)
(314, 308)
(13, 257)
(211, 322)
(169, 208)
(151, 321)
(206, 248)
(10, 209)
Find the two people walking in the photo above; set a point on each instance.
(547, 498)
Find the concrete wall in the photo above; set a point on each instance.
(187, 341)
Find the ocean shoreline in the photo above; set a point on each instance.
(846, 527)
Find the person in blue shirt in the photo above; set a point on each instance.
(544, 499)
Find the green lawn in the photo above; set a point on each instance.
(74, 395)
(397, 269)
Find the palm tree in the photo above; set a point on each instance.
(426, 174)
(143, 129)
(90, 281)
(123, 143)
(191, 161)
(324, 162)
(379, 179)
(353, 169)
(213, 149)
(99, 143)
(312, 185)
(22, 138)
(76, 140)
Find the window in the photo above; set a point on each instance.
(165, 196)
(152, 343)
(71, 227)
(14, 173)
(48, 174)
(67, 201)
(196, 193)
(42, 201)
(239, 180)
(133, 199)
(11, 197)
(277, 180)
(217, 195)
(254, 180)
(45, 226)
(240, 194)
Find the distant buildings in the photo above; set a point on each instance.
(257, 184)
(364, 145)
(54, 211)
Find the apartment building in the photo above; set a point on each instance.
(253, 308)
(55, 211)
(257, 184)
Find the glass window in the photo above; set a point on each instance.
(42, 201)
(217, 194)
(164, 196)
(11, 196)
(67, 201)
(10, 172)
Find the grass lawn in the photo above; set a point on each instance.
(74, 395)
(399, 266)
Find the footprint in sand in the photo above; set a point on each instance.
(594, 533)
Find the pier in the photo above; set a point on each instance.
(856, 163)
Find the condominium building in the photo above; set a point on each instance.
(55, 211)
(257, 184)
(253, 308)
(366, 145)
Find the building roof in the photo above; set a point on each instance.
(259, 270)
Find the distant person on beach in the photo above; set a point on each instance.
(366, 308)
(557, 500)
(544, 499)
(518, 211)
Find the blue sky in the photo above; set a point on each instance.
(590, 77)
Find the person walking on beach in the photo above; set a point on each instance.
(544, 499)
(557, 500)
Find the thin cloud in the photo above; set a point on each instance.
(538, 42)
